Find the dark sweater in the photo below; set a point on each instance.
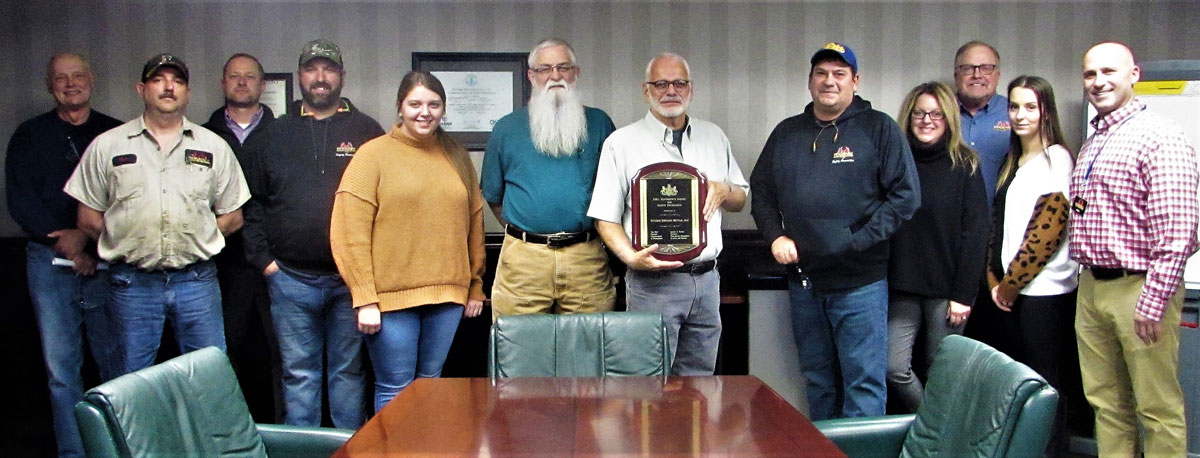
(839, 192)
(297, 166)
(940, 252)
(234, 253)
(216, 123)
(42, 155)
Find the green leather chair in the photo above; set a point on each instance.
(978, 403)
(579, 345)
(188, 406)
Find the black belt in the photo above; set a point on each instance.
(559, 240)
(695, 269)
(1109, 273)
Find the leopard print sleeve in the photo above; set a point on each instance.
(1044, 234)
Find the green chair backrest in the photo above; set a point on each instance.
(981, 403)
(188, 406)
(579, 345)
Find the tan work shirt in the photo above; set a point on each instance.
(159, 208)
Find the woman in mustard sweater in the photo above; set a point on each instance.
(407, 235)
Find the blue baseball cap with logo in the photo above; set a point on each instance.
(838, 50)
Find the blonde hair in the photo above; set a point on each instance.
(961, 155)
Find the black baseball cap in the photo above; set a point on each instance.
(164, 60)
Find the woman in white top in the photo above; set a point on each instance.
(1031, 276)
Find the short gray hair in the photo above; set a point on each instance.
(64, 55)
(550, 43)
(671, 56)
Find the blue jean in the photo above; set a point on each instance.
(318, 335)
(142, 301)
(69, 307)
(411, 343)
(842, 336)
(691, 308)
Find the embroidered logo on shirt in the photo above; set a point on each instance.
(198, 157)
(1002, 126)
(124, 159)
(345, 149)
(843, 155)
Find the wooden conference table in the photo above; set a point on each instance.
(616, 416)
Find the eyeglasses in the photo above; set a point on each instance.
(985, 69)
(917, 115)
(663, 84)
(562, 68)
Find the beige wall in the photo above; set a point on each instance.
(749, 59)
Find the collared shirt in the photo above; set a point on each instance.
(539, 193)
(648, 141)
(987, 133)
(242, 132)
(159, 208)
(1138, 179)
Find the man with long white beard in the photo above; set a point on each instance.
(687, 295)
(537, 177)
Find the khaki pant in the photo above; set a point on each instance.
(534, 278)
(1125, 380)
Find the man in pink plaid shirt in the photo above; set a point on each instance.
(1134, 214)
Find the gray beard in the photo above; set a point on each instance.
(557, 121)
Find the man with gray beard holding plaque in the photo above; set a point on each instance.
(686, 291)
(537, 177)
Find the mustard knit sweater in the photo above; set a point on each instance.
(406, 231)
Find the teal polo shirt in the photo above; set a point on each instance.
(542, 194)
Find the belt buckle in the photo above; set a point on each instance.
(558, 239)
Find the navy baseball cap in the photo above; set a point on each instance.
(838, 50)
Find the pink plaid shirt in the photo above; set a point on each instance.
(1139, 176)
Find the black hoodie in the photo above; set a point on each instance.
(296, 167)
(838, 191)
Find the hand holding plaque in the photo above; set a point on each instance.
(668, 202)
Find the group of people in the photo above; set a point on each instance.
(341, 236)
(890, 230)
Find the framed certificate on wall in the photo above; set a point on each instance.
(481, 87)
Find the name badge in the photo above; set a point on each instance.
(1078, 205)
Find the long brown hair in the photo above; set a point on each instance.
(961, 155)
(1048, 127)
(458, 155)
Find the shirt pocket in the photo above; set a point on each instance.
(129, 182)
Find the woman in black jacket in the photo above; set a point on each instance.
(937, 257)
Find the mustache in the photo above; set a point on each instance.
(560, 83)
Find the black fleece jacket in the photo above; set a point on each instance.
(296, 166)
(838, 191)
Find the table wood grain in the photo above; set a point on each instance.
(589, 417)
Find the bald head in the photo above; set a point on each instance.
(1109, 73)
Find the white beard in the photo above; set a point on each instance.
(556, 120)
(671, 112)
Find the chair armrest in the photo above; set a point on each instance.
(95, 431)
(302, 441)
(868, 437)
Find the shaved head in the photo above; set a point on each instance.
(1109, 73)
